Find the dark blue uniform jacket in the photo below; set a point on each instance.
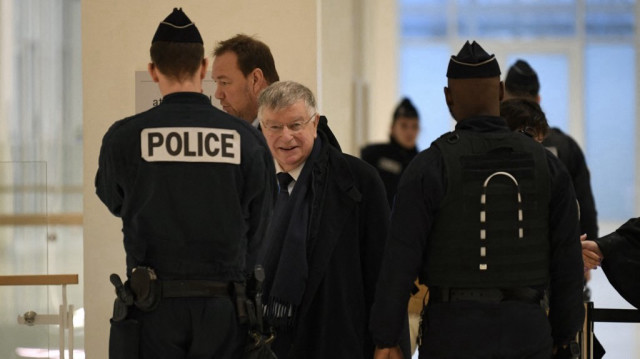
(188, 220)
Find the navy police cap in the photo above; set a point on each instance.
(177, 27)
(521, 76)
(405, 109)
(472, 62)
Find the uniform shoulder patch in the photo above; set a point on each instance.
(190, 144)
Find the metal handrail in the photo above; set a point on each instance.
(593, 315)
(66, 219)
(65, 316)
(39, 279)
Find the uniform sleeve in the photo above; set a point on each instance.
(420, 192)
(367, 155)
(566, 309)
(582, 184)
(259, 193)
(621, 263)
(375, 223)
(107, 187)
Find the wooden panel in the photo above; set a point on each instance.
(44, 279)
(67, 219)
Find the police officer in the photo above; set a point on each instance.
(390, 159)
(194, 187)
(522, 82)
(487, 219)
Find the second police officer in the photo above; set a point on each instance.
(487, 219)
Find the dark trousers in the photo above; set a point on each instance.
(191, 328)
(282, 345)
(506, 330)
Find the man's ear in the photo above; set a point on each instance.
(315, 125)
(258, 81)
(447, 96)
(153, 72)
(203, 68)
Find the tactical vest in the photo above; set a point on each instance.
(491, 230)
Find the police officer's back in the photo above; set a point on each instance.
(486, 218)
(193, 187)
(522, 82)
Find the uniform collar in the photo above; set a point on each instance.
(397, 144)
(186, 97)
(483, 124)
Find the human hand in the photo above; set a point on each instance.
(388, 353)
(591, 254)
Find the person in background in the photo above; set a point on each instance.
(525, 116)
(390, 159)
(487, 219)
(194, 188)
(326, 238)
(619, 255)
(242, 67)
(522, 82)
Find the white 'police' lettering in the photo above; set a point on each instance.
(190, 144)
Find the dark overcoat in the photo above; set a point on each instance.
(621, 251)
(347, 231)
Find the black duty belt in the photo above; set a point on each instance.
(487, 295)
(195, 288)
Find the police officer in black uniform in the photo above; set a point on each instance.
(194, 187)
(522, 82)
(390, 159)
(487, 219)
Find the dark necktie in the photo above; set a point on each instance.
(284, 179)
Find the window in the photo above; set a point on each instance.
(40, 164)
(584, 52)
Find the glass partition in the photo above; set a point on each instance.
(34, 241)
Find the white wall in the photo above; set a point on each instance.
(358, 69)
(116, 36)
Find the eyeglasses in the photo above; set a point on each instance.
(293, 127)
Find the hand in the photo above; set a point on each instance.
(388, 353)
(591, 254)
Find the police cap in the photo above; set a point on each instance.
(472, 62)
(522, 78)
(405, 109)
(177, 27)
